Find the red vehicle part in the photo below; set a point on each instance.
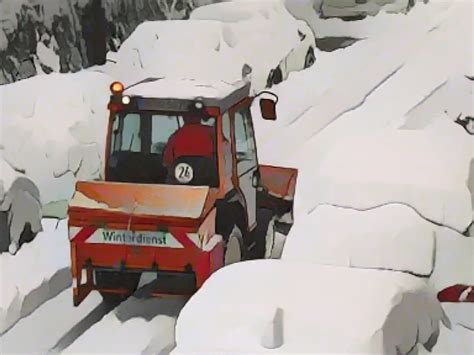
(147, 238)
(457, 293)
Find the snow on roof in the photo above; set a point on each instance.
(186, 88)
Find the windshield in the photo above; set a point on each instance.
(145, 147)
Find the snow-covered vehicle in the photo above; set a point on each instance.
(216, 44)
(362, 8)
(183, 193)
(268, 37)
(252, 308)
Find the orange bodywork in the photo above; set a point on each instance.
(278, 182)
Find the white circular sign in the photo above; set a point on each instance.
(184, 173)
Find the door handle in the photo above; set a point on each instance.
(256, 179)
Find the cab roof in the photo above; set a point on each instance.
(212, 93)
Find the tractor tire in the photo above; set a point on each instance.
(310, 58)
(233, 249)
(277, 76)
(262, 234)
(116, 279)
(270, 239)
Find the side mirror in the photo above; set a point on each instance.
(268, 109)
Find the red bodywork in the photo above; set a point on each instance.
(178, 210)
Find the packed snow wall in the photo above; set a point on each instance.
(42, 36)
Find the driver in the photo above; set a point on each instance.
(193, 139)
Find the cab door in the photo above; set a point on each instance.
(246, 161)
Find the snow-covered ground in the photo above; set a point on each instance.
(38, 272)
(136, 326)
(405, 74)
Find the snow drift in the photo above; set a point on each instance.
(20, 209)
(454, 260)
(215, 44)
(394, 311)
(56, 128)
(426, 170)
(393, 237)
(38, 272)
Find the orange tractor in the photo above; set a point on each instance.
(183, 194)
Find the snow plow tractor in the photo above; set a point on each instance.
(183, 193)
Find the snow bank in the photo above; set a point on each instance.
(136, 326)
(426, 170)
(393, 237)
(20, 209)
(455, 341)
(452, 99)
(55, 132)
(317, 313)
(176, 49)
(358, 94)
(454, 262)
(214, 44)
(39, 332)
(38, 272)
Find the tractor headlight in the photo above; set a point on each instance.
(126, 100)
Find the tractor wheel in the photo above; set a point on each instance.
(270, 239)
(277, 76)
(116, 280)
(233, 249)
(310, 58)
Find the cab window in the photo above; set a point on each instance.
(244, 141)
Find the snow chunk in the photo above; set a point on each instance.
(394, 310)
(406, 167)
(38, 272)
(392, 237)
(20, 208)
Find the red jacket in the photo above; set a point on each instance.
(190, 140)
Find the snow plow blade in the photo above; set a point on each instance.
(129, 229)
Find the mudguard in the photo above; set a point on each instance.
(278, 181)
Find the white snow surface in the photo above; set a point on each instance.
(357, 98)
(454, 260)
(176, 49)
(56, 128)
(31, 272)
(214, 44)
(455, 341)
(184, 89)
(48, 324)
(424, 169)
(136, 326)
(393, 237)
(324, 309)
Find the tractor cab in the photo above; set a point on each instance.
(183, 141)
